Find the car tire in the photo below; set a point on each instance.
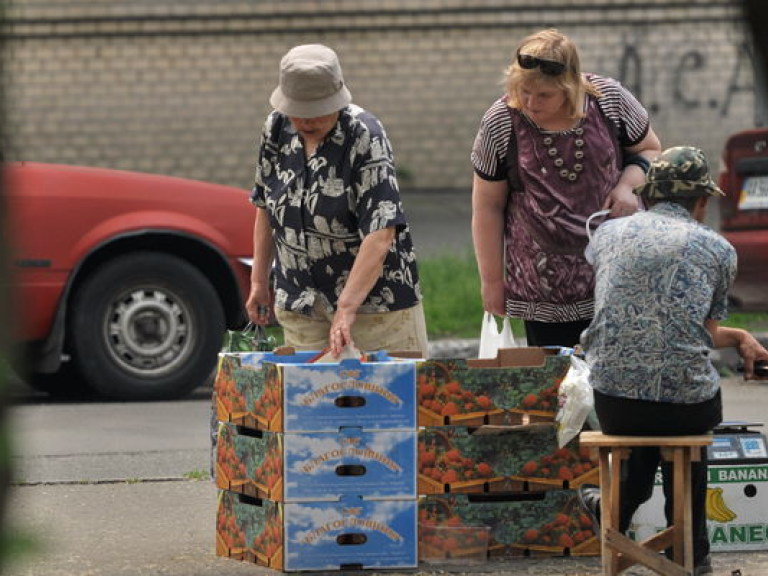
(146, 326)
(65, 384)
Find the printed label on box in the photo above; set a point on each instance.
(737, 506)
(374, 395)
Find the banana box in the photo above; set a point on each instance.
(317, 465)
(737, 493)
(348, 534)
(518, 387)
(505, 526)
(291, 393)
(458, 459)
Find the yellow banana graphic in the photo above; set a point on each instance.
(717, 510)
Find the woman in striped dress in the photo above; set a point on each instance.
(558, 146)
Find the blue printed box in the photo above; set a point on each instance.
(317, 465)
(290, 394)
(348, 534)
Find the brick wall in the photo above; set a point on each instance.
(181, 87)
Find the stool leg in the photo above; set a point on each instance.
(683, 512)
(606, 506)
(610, 504)
(618, 456)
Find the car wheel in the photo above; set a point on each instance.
(146, 326)
(65, 384)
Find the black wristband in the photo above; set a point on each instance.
(637, 160)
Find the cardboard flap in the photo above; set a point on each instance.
(496, 430)
(284, 351)
(514, 357)
(406, 354)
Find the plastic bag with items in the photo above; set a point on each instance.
(576, 401)
(252, 338)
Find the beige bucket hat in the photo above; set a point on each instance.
(311, 83)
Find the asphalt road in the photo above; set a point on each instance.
(440, 222)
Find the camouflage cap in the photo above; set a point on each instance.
(679, 172)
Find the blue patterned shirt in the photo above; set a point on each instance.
(659, 276)
(320, 210)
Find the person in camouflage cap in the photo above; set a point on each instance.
(679, 172)
(661, 290)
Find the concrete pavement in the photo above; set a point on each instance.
(105, 490)
(167, 528)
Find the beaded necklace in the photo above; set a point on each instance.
(566, 172)
(570, 174)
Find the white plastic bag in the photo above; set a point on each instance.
(491, 339)
(576, 401)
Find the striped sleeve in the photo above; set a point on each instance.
(620, 105)
(489, 150)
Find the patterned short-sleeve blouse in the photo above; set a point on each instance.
(660, 276)
(321, 208)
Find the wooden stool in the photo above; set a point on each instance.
(620, 552)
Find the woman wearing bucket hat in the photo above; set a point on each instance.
(558, 146)
(329, 215)
(662, 281)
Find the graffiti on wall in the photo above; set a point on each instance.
(683, 91)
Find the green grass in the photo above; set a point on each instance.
(452, 303)
(197, 475)
(753, 322)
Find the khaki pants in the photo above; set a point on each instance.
(402, 330)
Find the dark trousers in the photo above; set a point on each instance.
(554, 333)
(624, 416)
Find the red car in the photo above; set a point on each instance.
(744, 215)
(125, 282)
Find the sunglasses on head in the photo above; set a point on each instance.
(548, 67)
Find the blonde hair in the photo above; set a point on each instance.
(550, 45)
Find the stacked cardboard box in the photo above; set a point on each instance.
(382, 462)
(490, 472)
(316, 462)
(737, 492)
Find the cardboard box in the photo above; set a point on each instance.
(737, 508)
(288, 393)
(458, 459)
(545, 524)
(239, 384)
(317, 465)
(347, 534)
(454, 544)
(518, 387)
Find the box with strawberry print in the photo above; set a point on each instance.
(518, 387)
(457, 459)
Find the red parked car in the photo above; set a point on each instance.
(125, 282)
(744, 215)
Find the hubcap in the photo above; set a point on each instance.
(149, 332)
